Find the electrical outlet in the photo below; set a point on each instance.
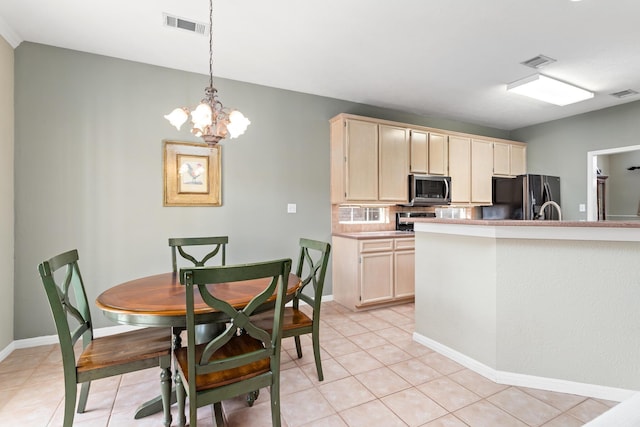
(582, 207)
(291, 208)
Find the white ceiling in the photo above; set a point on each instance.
(442, 58)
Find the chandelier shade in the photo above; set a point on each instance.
(210, 120)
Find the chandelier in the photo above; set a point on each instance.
(210, 119)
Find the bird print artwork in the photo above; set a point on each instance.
(191, 173)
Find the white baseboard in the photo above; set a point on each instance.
(522, 380)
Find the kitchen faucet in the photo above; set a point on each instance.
(549, 203)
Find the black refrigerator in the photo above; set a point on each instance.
(521, 197)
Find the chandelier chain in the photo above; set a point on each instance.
(211, 43)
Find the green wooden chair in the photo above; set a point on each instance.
(220, 243)
(243, 358)
(101, 357)
(296, 322)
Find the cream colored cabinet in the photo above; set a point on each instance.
(393, 164)
(460, 169)
(371, 272)
(438, 154)
(481, 171)
(404, 268)
(369, 162)
(509, 159)
(518, 159)
(429, 153)
(470, 168)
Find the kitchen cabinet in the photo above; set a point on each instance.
(371, 159)
(438, 154)
(393, 164)
(470, 168)
(460, 169)
(481, 171)
(369, 162)
(429, 153)
(373, 272)
(509, 159)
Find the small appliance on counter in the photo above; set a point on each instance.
(523, 196)
(402, 223)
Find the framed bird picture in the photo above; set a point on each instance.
(191, 174)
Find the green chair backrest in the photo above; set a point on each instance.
(220, 243)
(312, 270)
(67, 300)
(276, 274)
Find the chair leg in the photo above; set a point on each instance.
(298, 346)
(165, 389)
(218, 418)
(180, 397)
(84, 395)
(275, 403)
(70, 394)
(316, 354)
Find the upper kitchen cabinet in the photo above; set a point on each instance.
(460, 169)
(470, 168)
(429, 153)
(354, 161)
(509, 158)
(393, 164)
(481, 171)
(369, 161)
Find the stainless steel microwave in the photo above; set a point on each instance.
(429, 190)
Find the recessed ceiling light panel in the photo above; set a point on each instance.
(549, 90)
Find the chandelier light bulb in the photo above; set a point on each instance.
(177, 117)
(201, 116)
(238, 124)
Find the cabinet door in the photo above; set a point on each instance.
(376, 277)
(501, 159)
(438, 157)
(460, 169)
(419, 152)
(481, 171)
(394, 164)
(361, 161)
(404, 273)
(518, 160)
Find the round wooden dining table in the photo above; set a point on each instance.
(160, 300)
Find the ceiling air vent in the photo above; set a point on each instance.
(185, 24)
(624, 93)
(538, 61)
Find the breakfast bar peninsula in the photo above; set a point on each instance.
(544, 304)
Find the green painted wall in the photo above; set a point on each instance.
(6, 193)
(88, 170)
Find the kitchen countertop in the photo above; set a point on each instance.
(628, 231)
(363, 235)
(516, 223)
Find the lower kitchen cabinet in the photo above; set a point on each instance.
(373, 272)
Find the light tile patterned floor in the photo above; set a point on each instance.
(375, 375)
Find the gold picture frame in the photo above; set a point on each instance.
(191, 174)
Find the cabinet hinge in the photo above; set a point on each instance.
(360, 260)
